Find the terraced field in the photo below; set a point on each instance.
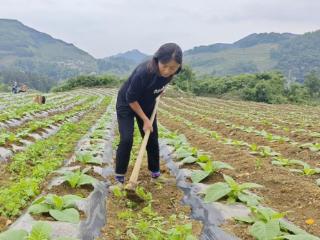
(235, 170)
(274, 146)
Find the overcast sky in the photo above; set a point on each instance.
(107, 27)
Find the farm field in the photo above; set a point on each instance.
(274, 146)
(235, 170)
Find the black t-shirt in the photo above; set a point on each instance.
(142, 86)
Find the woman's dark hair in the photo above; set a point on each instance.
(166, 53)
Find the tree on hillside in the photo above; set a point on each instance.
(312, 82)
(185, 79)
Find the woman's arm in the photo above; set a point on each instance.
(147, 125)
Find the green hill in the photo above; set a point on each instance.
(121, 64)
(299, 56)
(41, 61)
(23, 49)
(248, 55)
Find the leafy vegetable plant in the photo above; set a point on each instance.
(60, 208)
(232, 190)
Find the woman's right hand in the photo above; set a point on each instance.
(147, 125)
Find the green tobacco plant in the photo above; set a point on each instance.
(267, 152)
(268, 224)
(215, 135)
(176, 140)
(60, 208)
(78, 178)
(281, 161)
(98, 134)
(7, 137)
(237, 143)
(232, 190)
(263, 151)
(40, 231)
(314, 147)
(184, 151)
(209, 168)
(146, 196)
(191, 155)
(265, 223)
(87, 158)
(307, 170)
(315, 134)
(254, 148)
(118, 192)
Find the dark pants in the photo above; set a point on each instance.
(126, 127)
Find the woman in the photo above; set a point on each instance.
(136, 99)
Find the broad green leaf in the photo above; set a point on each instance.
(250, 200)
(68, 215)
(86, 179)
(189, 159)
(72, 178)
(291, 228)
(40, 231)
(70, 200)
(49, 198)
(39, 208)
(216, 191)
(279, 215)
(314, 149)
(298, 162)
(198, 175)
(315, 134)
(182, 153)
(245, 186)
(306, 145)
(57, 202)
(301, 237)
(203, 158)
(217, 165)
(265, 231)
(14, 235)
(232, 183)
(265, 214)
(88, 158)
(207, 167)
(231, 199)
(39, 200)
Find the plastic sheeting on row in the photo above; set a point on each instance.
(210, 215)
(94, 205)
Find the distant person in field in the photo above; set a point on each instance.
(136, 99)
(15, 87)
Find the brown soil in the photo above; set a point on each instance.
(65, 188)
(4, 223)
(166, 202)
(283, 191)
(278, 114)
(241, 120)
(287, 150)
(241, 230)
